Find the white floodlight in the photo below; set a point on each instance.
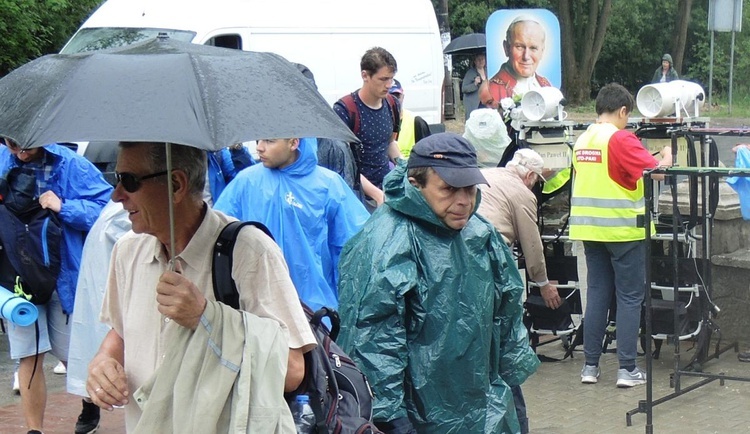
(671, 98)
(543, 103)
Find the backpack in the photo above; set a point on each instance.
(354, 116)
(31, 237)
(355, 125)
(340, 395)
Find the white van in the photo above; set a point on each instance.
(327, 36)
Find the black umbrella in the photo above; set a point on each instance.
(467, 44)
(163, 90)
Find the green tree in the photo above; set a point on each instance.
(679, 39)
(638, 36)
(583, 25)
(698, 62)
(32, 28)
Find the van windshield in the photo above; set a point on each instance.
(101, 38)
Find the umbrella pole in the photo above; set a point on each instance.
(171, 207)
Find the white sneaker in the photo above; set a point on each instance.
(590, 374)
(635, 377)
(16, 384)
(60, 369)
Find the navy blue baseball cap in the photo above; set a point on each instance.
(451, 156)
(396, 88)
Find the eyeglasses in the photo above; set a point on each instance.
(132, 183)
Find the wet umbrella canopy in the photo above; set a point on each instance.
(467, 44)
(167, 91)
(163, 90)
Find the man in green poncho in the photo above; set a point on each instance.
(429, 300)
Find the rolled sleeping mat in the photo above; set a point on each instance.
(16, 309)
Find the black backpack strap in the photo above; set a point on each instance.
(225, 289)
(354, 124)
(395, 112)
(333, 316)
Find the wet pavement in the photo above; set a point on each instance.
(62, 408)
(558, 403)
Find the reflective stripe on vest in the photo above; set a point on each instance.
(601, 209)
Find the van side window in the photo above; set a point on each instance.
(226, 41)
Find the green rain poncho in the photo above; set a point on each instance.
(433, 317)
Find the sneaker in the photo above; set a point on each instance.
(88, 421)
(34, 431)
(590, 374)
(744, 356)
(16, 384)
(630, 379)
(60, 369)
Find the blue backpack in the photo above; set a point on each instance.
(30, 236)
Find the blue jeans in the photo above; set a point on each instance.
(620, 269)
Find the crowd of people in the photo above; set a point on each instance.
(414, 248)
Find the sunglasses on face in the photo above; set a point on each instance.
(132, 183)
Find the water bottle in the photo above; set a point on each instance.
(304, 418)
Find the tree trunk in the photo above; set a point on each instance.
(679, 41)
(583, 25)
(442, 17)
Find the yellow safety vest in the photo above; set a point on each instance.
(601, 209)
(556, 182)
(406, 135)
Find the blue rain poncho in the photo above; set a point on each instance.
(311, 213)
(433, 317)
(223, 166)
(84, 192)
(741, 184)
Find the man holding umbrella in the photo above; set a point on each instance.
(156, 313)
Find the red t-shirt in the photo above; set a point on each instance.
(628, 159)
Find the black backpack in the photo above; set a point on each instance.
(31, 237)
(340, 395)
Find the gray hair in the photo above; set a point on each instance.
(189, 159)
(420, 174)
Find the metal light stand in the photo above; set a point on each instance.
(525, 130)
(704, 174)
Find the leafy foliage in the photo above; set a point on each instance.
(637, 37)
(470, 16)
(31, 28)
(638, 34)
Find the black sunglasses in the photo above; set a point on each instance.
(131, 183)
